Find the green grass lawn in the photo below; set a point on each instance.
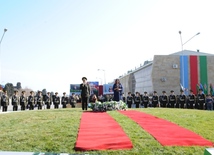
(56, 131)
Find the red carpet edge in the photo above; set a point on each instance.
(165, 132)
(99, 131)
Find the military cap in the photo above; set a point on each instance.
(84, 78)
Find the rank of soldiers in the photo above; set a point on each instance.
(190, 101)
(35, 100)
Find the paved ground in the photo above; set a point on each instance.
(10, 108)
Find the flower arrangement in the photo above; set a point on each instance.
(108, 106)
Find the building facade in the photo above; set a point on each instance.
(185, 69)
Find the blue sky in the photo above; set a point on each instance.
(53, 43)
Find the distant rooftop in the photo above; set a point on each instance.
(187, 52)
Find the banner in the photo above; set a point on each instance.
(75, 88)
(94, 85)
(108, 89)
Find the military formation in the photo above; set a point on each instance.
(36, 100)
(191, 101)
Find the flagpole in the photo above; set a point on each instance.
(182, 61)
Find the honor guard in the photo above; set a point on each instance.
(172, 100)
(31, 101)
(191, 101)
(15, 101)
(129, 100)
(145, 100)
(39, 100)
(48, 100)
(137, 100)
(23, 101)
(73, 100)
(155, 99)
(4, 101)
(181, 99)
(163, 99)
(56, 101)
(64, 100)
(201, 97)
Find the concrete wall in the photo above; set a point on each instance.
(164, 76)
(210, 70)
(160, 75)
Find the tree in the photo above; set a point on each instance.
(9, 88)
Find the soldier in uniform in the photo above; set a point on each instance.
(15, 100)
(129, 100)
(155, 99)
(191, 101)
(48, 100)
(73, 100)
(181, 99)
(31, 101)
(64, 100)
(39, 100)
(56, 101)
(85, 93)
(201, 98)
(163, 99)
(172, 99)
(137, 100)
(4, 101)
(145, 100)
(23, 101)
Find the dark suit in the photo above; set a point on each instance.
(85, 93)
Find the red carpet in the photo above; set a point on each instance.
(99, 131)
(165, 132)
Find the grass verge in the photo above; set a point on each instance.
(56, 131)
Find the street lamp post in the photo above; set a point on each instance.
(5, 30)
(100, 79)
(182, 44)
(104, 77)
